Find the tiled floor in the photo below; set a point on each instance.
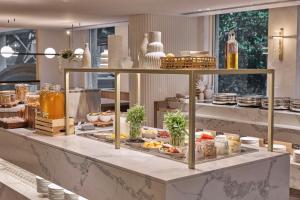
(294, 194)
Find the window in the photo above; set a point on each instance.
(99, 43)
(20, 67)
(251, 29)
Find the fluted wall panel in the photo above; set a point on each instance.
(178, 33)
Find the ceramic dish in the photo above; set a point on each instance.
(92, 118)
(105, 118)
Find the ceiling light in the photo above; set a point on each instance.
(7, 51)
(68, 32)
(50, 53)
(78, 52)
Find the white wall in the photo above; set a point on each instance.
(178, 33)
(285, 71)
(48, 69)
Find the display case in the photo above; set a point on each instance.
(192, 74)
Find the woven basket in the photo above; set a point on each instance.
(206, 62)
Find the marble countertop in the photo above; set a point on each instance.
(150, 166)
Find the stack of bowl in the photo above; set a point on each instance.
(42, 185)
(70, 195)
(295, 105)
(249, 101)
(280, 103)
(55, 192)
(224, 98)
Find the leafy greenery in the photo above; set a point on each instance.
(176, 123)
(251, 30)
(136, 114)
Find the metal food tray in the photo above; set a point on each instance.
(244, 150)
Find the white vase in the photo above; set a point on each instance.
(155, 50)
(86, 57)
(115, 51)
(208, 93)
(143, 51)
(126, 63)
(104, 59)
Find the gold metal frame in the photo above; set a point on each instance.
(192, 73)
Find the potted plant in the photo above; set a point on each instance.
(176, 123)
(135, 118)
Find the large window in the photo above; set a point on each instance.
(251, 29)
(22, 66)
(99, 43)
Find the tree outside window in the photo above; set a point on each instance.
(251, 28)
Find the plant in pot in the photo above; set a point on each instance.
(135, 118)
(176, 123)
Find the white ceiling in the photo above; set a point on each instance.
(64, 13)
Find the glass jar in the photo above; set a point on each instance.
(209, 149)
(44, 102)
(21, 92)
(135, 131)
(234, 143)
(32, 99)
(55, 102)
(232, 55)
(221, 145)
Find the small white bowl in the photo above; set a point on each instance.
(92, 118)
(104, 118)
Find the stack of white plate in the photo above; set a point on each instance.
(55, 192)
(70, 195)
(42, 185)
(252, 141)
(296, 156)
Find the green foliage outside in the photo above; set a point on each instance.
(252, 35)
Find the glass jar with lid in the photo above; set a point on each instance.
(221, 145)
(21, 92)
(209, 149)
(234, 143)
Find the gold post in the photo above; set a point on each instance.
(138, 89)
(271, 77)
(192, 87)
(117, 110)
(67, 88)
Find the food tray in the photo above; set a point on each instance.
(206, 62)
(179, 158)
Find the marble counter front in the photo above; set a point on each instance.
(99, 172)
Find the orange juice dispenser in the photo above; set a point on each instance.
(43, 100)
(56, 102)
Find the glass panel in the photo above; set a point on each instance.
(20, 67)
(251, 29)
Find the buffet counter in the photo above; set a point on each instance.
(96, 170)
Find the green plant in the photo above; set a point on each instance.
(135, 116)
(176, 123)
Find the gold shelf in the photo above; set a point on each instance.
(192, 73)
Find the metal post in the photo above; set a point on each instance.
(117, 110)
(271, 77)
(138, 89)
(67, 88)
(192, 93)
